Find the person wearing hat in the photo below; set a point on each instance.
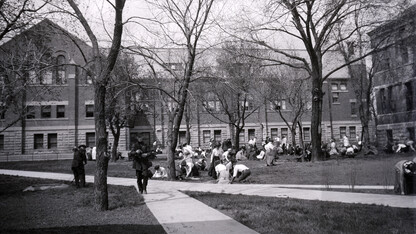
(77, 166)
(141, 164)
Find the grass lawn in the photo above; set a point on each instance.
(361, 170)
(70, 210)
(282, 215)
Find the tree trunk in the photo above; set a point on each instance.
(171, 146)
(293, 133)
(316, 134)
(116, 140)
(100, 178)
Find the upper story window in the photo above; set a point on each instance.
(2, 112)
(45, 111)
(353, 108)
(174, 66)
(60, 70)
(30, 112)
(404, 54)
(89, 110)
(46, 77)
(339, 86)
(278, 105)
(335, 98)
(60, 111)
(1, 142)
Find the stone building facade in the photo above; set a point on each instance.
(395, 78)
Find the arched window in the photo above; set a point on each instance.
(60, 70)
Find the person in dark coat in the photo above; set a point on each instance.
(77, 166)
(141, 164)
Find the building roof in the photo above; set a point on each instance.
(401, 18)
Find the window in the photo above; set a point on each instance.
(1, 142)
(353, 132)
(60, 70)
(335, 98)
(206, 136)
(411, 133)
(404, 54)
(306, 134)
(60, 111)
(217, 135)
(283, 132)
(343, 86)
(274, 133)
(409, 96)
(383, 100)
(391, 103)
(174, 66)
(52, 141)
(89, 110)
(32, 77)
(182, 137)
(2, 112)
(212, 105)
(30, 112)
(353, 108)
(342, 132)
(334, 86)
(389, 134)
(38, 141)
(90, 139)
(45, 111)
(46, 77)
(278, 105)
(241, 136)
(385, 62)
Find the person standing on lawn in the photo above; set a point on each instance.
(240, 172)
(271, 153)
(78, 165)
(142, 164)
(215, 156)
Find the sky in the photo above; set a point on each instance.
(227, 15)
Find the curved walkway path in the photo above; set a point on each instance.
(179, 213)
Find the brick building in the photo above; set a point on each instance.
(395, 78)
(54, 110)
(58, 102)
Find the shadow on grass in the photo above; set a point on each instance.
(116, 228)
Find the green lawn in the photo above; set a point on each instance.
(361, 170)
(283, 215)
(70, 210)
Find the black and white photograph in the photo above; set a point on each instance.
(208, 116)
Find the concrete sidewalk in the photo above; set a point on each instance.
(178, 213)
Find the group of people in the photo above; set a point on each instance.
(344, 148)
(400, 147)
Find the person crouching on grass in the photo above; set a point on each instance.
(240, 172)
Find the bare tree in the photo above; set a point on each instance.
(311, 23)
(103, 66)
(288, 92)
(229, 93)
(17, 15)
(190, 19)
(122, 102)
